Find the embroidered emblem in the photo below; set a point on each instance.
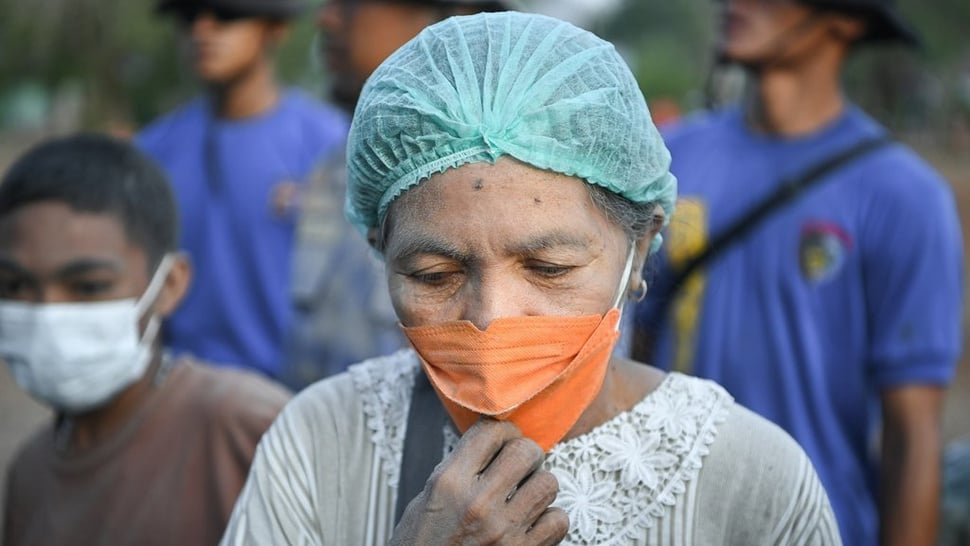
(284, 199)
(822, 250)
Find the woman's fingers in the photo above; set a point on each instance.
(549, 529)
(533, 497)
(490, 490)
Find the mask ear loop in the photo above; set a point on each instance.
(154, 288)
(155, 285)
(619, 300)
(155, 323)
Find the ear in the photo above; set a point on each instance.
(176, 286)
(276, 32)
(643, 248)
(847, 28)
(374, 239)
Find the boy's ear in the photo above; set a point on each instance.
(175, 287)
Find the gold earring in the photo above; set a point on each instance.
(640, 293)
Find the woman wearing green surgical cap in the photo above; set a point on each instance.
(506, 169)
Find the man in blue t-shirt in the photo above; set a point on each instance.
(238, 157)
(838, 316)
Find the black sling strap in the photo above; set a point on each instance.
(786, 193)
(423, 442)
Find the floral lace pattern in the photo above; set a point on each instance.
(615, 481)
(385, 386)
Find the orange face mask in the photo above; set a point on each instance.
(539, 372)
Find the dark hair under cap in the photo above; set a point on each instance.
(98, 174)
(273, 9)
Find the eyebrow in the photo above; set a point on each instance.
(547, 241)
(86, 265)
(428, 245)
(425, 244)
(7, 263)
(77, 267)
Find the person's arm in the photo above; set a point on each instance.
(757, 486)
(241, 411)
(913, 270)
(910, 471)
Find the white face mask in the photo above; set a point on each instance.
(78, 356)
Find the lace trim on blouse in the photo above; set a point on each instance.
(385, 385)
(616, 481)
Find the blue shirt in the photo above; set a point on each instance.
(234, 183)
(344, 311)
(854, 287)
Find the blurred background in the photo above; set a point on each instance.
(111, 65)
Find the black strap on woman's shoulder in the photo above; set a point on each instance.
(423, 442)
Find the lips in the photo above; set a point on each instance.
(203, 51)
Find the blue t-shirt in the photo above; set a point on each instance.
(854, 287)
(234, 183)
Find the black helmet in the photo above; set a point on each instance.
(483, 5)
(885, 23)
(273, 9)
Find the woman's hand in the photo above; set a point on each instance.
(490, 490)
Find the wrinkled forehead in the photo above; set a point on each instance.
(508, 204)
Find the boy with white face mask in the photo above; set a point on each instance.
(144, 449)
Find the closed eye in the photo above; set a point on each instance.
(549, 270)
(431, 278)
(434, 277)
(15, 288)
(90, 288)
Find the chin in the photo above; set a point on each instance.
(210, 76)
(209, 70)
(738, 55)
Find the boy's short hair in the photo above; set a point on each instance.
(98, 174)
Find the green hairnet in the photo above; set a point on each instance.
(474, 88)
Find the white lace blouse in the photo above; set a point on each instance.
(685, 466)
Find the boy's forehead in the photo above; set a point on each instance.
(47, 234)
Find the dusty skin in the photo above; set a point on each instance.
(490, 490)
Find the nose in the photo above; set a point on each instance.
(329, 16)
(203, 24)
(491, 300)
(48, 294)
